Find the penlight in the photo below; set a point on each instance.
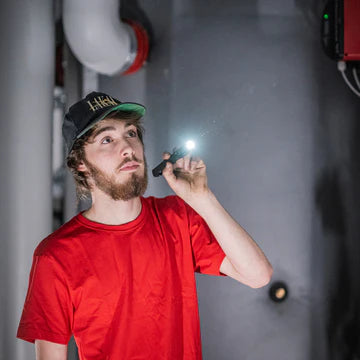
(176, 155)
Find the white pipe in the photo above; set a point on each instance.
(97, 36)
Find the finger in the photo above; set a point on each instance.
(196, 163)
(187, 162)
(165, 155)
(179, 163)
(200, 164)
(193, 165)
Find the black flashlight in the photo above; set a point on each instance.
(176, 155)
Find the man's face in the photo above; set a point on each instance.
(115, 160)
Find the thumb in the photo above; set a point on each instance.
(166, 155)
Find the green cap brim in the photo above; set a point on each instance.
(132, 107)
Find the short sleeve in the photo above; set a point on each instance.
(207, 253)
(48, 311)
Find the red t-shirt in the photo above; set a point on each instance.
(125, 292)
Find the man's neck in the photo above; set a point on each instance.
(105, 210)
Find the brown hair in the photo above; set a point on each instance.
(77, 154)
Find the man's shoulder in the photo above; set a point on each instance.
(60, 239)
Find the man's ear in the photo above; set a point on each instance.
(81, 167)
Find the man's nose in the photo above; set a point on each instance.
(127, 150)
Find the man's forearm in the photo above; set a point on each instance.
(46, 350)
(242, 251)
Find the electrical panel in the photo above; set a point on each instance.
(340, 30)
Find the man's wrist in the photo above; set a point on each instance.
(204, 202)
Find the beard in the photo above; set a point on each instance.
(134, 187)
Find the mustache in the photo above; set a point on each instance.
(134, 158)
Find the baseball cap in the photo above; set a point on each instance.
(84, 114)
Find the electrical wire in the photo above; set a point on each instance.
(349, 84)
(342, 68)
(356, 77)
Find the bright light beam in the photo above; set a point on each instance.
(190, 145)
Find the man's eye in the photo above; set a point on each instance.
(132, 133)
(106, 140)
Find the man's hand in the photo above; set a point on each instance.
(187, 177)
(244, 260)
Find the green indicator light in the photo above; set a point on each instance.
(326, 16)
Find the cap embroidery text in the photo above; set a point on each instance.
(100, 102)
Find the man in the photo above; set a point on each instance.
(120, 275)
